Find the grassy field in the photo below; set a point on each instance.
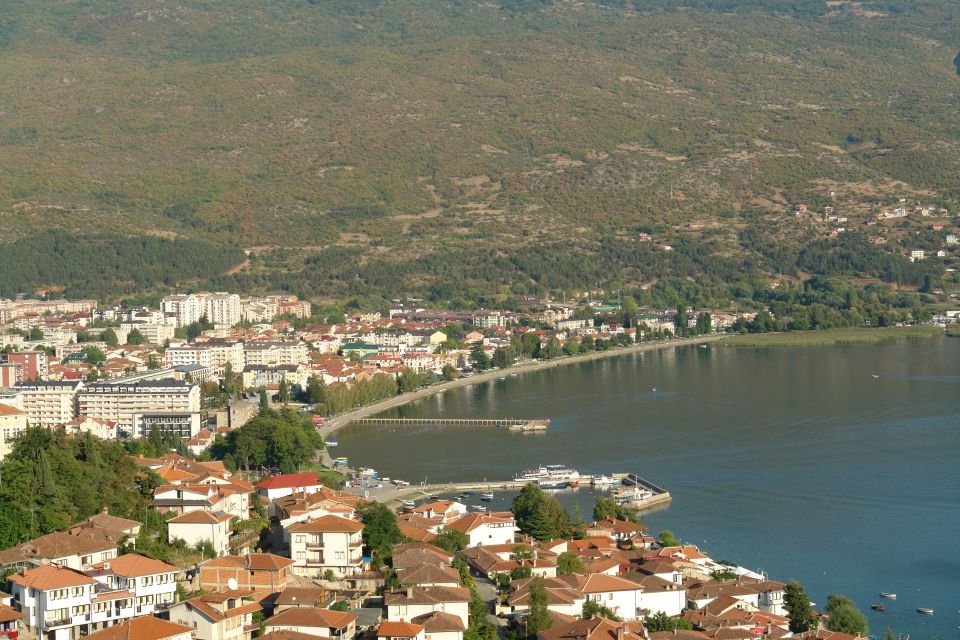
(953, 331)
(329, 477)
(830, 337)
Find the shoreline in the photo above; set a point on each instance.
(336, 423)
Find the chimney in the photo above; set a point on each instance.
(409, 592)
(106, 511)
(620, 632)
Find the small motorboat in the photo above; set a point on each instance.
(875, 375)
(925, 611)
(888, 596)
(486, 496)
(479, 508)
(513, 375)
(409, 504)
(878, 607)
(331, 443)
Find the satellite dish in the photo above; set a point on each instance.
(232, 584)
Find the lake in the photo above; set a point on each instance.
(796, 461)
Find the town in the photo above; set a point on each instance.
(232, 544)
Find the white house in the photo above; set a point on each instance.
(288, 484)
(144, 628)
(152, 583)
(412, 602)
(483, 528)
(224, 615)
(199, 526)
(327, 543)
(444, 511)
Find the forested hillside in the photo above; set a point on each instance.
(465, 149)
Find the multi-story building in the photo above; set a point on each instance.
(327, 543)
(312, 622)
(184, 309)
(184, 424)
(13, 422)
(261, 375)
(225, 351)
(9, 618)
(120, 402)
(274, 353)
(34, 364)
(48, 403)
(187, 354)
(223, 309)
(151, 583)
(153, 332)
(10, 374)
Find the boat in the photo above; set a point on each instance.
(513, 375)
(630, 494)
(331, 443)
(875, 375)
(878, 607)
(601, 481)
(888, 596)
(479, 508)
(468, 492)
(574, 484)
(550, 473)
(925, 611)
(547, 483)
(409, 504)
(341, 460)
(503, 377)
(486, 496)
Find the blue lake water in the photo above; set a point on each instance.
(796, 461)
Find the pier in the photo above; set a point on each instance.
(513, 424)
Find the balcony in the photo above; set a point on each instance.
(315, 545)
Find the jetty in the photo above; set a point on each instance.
(513, 424)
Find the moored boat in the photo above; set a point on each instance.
(925, 611)
(552, 484)
(486, 496)
(409, 504)
(331, 443)
(878, 607)
(479, 508)
(341, 461)
(888, 596)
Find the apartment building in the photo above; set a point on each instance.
(327, 543)
(224, 351)
(13, 422)
(120, 402)
(223, 309)
(274, 353)
(183, 309)
(184, 424)
(151, 583)
(34, 364)
(186, 355)
(48, 403)
(257, 571)
(153, 332)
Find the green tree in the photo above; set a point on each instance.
(681, 320)
(799, 612)
(845, 617)
(340, 605)
(479, 359)
(135, 337)
(229, 380)
(450, 372)
(94, 356)
(35, 335)
(568, 562)
(667, 539)
(315, 390)
(264, 401)
(283, 393)
(704, 323)
(110, 337)
(380, 530)
(540, 515)
(553, 349)
(538, 617)
(593, 608)
(451, 540)
(608, 508)
(662, 622)
(503, 357)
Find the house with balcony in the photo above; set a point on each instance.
(314, 622)
(327, 543)
(151, 583)
(200, 526)
(56, 602)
